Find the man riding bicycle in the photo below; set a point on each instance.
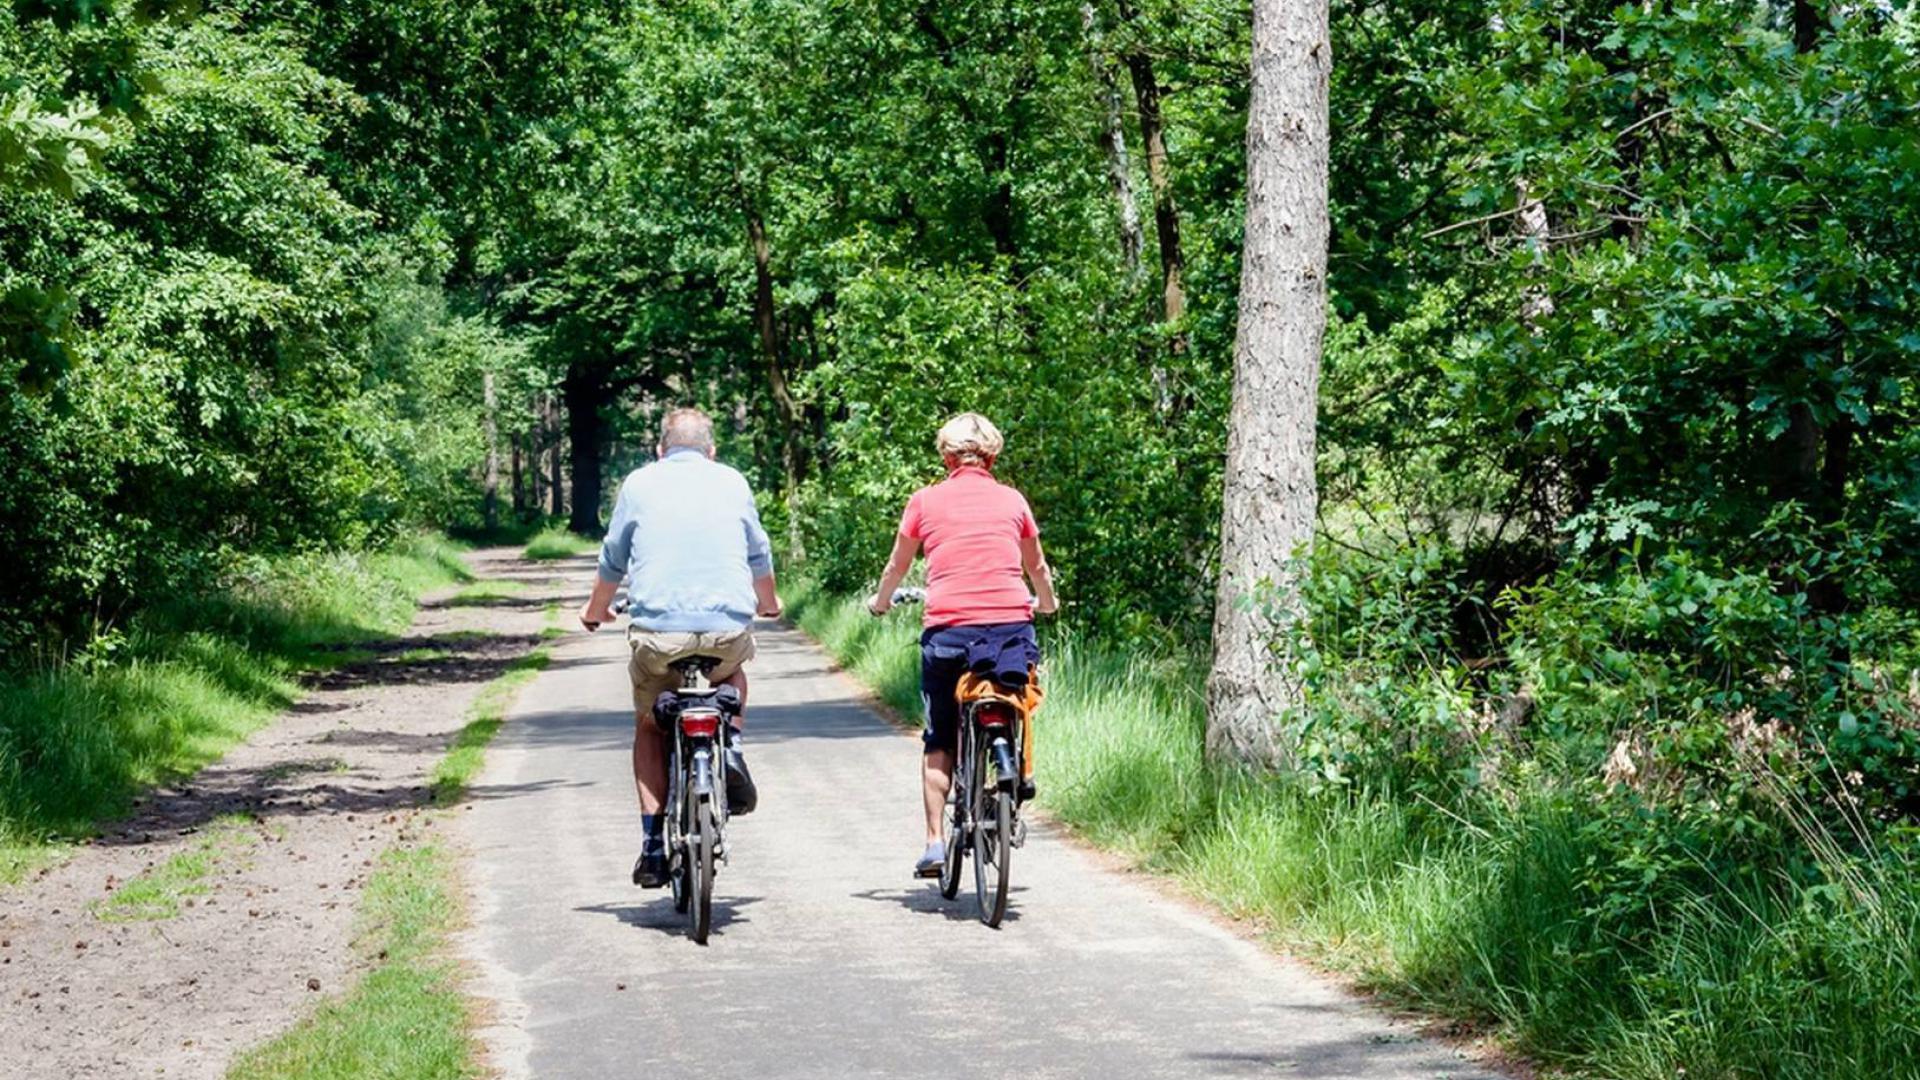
(980, 538)
(686, 541)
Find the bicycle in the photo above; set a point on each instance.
(983, 804)
(696, 720)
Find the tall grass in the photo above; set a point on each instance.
(162, 697)
(1480, 916)
(553, 543)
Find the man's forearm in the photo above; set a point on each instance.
(766, 595)
(601, 601)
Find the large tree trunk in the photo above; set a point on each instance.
(1270, 499)
(583, 388)
(789, 409)
(490, 422)
(556, 460)
(1113, 142)
(517, 472)
(1166, 216)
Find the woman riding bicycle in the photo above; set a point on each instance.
(980, 538)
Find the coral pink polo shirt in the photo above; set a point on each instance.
(971, 526)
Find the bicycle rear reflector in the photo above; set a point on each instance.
(700, 725)
(994, 715)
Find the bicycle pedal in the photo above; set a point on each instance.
(1019, 832)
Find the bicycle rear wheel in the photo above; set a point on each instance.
(700, 871)
(992, 851)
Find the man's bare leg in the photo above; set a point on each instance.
(936, 777)
(738, 680)
(649, 762)
(650, 750)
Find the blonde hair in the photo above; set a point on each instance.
(686, 428)
(970, 439)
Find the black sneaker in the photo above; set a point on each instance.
(742, 796)
(650, 869)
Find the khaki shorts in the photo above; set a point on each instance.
(649, 652)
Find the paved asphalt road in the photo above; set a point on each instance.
(827, 959)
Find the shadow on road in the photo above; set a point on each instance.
(658, 914)
(928, 901)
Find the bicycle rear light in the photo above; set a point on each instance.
(700, 723)
(994, 715)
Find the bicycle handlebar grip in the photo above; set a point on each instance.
(909, 596)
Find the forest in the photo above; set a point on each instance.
(1604, 734)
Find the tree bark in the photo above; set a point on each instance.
(1808, 22)
(491, 424)
(1166, 216)
(517, 471)
(556, 470)
(1113, 143)
(783, 399)
(1270, 499)
(582, 390)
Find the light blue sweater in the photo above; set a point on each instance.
(686, 539)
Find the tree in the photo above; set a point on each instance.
(1267, 514)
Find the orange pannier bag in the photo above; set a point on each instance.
(1025, 701)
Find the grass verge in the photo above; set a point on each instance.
(1485, 920)
(464, 758)
(160, 698)
(407, 1018)
(158, 893)
(556, 543)
(482, 593)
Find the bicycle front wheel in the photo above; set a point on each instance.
(957, 803)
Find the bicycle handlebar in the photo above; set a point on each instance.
(909, 596)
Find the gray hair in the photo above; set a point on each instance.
(686, 428)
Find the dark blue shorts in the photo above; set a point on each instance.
(943, 659)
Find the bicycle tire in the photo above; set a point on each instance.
(992, 829)
(956, 834)
(700, 873)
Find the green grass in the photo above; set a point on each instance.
(158, 699)
(1483, 921)
(556, 543)
(421, 656)
(464, 758)
(407, 1017)
(483, 592)
(157, 893)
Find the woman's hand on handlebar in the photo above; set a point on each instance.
(878, 605)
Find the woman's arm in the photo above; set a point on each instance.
(1034, 562)
(901, 561)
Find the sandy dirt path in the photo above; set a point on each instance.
(330, 785)
(827, 959)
